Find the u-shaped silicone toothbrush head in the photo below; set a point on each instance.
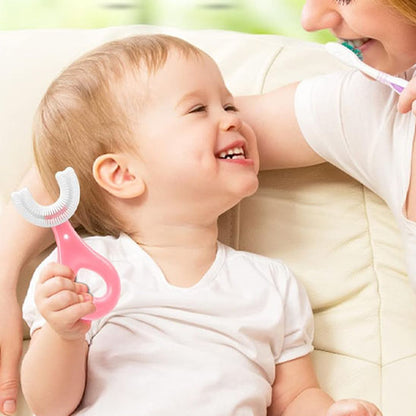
(72, 250)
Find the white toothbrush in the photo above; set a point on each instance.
(72, 250)
(348, 57)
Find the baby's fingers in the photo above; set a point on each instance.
(78, 310)
(58, 284)
(71, 316)
(68, 322)
(351, 407)
(55, 269)
(64, 299)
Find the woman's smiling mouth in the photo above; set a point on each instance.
(355, 43)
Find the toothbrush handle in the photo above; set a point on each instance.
(390, 81)
(396, 87)
(74, 253)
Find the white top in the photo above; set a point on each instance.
(207, 350)
(353, 122)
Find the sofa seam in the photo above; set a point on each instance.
(399, 359)
(353, 357)
(269, 67)
(378, 288)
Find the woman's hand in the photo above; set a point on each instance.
(11, 335)
(63, 302)
(407, 100)
(352, 407)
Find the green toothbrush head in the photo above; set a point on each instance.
(355, 50)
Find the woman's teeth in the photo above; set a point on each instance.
(236, 153)
(355, 43)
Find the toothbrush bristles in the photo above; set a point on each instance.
(355, 50)
(56, 213)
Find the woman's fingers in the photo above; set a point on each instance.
(407, 100)
(10, 353)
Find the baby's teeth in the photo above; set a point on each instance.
(237, 152)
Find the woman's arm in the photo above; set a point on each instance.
(19, 242)
(407, 100)
(280, 140)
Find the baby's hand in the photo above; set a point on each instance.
(63, 302)
(407, 100)
(352, 407)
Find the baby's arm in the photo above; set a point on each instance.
(407, 100)
(280, 140)
(19, 242)
(296, 392)
(54, 368)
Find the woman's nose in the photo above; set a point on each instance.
(320, 14)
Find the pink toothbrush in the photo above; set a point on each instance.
(72, 251)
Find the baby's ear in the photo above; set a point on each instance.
(116, 174)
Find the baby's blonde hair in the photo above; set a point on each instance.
(92, 109)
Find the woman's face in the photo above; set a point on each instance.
(386, 38)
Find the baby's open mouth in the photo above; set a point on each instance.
(234, 153)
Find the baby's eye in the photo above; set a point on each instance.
(198, 109)
(343, 2)
(230, 107)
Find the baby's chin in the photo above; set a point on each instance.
(251, 187)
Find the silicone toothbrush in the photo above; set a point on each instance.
(72, 250)
(348, 57)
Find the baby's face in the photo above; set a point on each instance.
(194, 147)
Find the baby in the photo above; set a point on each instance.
(200, 328)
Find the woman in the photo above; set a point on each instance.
(387, 31)
(357, 124)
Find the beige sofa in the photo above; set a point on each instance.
(337, 236)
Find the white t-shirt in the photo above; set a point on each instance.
(353, 122)
(207, 350)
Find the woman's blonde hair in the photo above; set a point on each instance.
(405, 7)
(91, 109)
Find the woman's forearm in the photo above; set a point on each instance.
(280, 141)
(20, 241)
(54, 373)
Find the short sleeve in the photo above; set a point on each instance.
(298, 322)
(352, 122)
(317, 109)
